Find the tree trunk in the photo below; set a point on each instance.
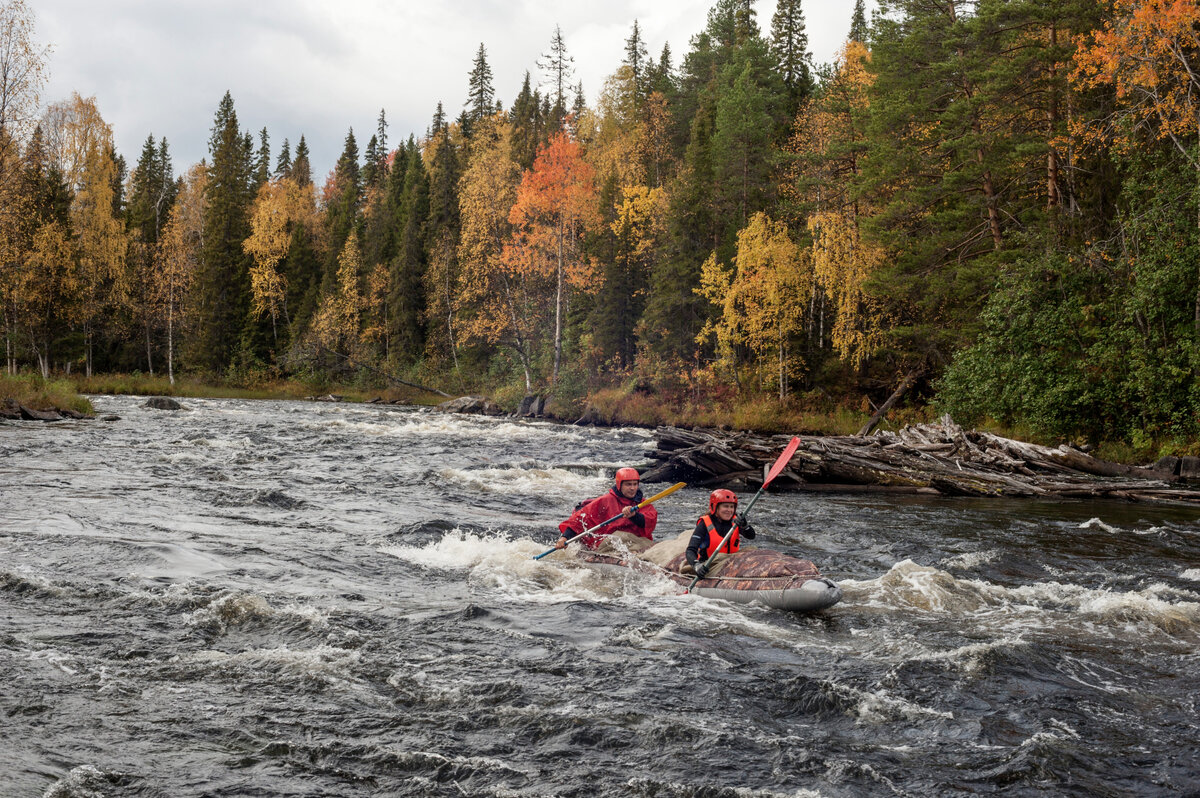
(905, 384)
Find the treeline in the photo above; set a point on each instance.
(997, 199)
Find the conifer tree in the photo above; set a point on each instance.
(262, 161)
(858, 23)
(222, 283)
(637, 60)
(343, 197)
(409, 266)
(301, 170)
(789, 46)
(527, 130)
(283, 165)
(481, 95)
(558, 67)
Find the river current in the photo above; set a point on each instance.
(298, 599)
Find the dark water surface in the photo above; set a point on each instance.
(291, 599)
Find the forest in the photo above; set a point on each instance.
(994, 203)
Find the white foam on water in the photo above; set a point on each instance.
(556, 482)
(1096, 523)
(972, 657)
(84, 781)
(499, 563)
(328, 664)
(1192, 574)
(972, 559)
(909, 587)
(238, 608)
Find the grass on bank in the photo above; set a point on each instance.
(36, 393)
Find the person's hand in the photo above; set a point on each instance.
(739, 521)
(701, 570)
(561, 543)
(629, 511)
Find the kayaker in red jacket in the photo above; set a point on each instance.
(622, 499)
(711, 530)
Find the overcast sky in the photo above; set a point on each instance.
(321, 67)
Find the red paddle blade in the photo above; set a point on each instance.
(783, 460)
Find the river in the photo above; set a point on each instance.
(301, 599)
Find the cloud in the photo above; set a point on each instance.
(312, 67)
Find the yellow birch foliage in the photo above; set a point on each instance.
(48, 288)
(337, 321)
(618, 145)
(763, 305)
(842, 264)
(492, 304)
(101, 242)
(1149, 52)
(179, 248)
(281, 204)
(640, 218)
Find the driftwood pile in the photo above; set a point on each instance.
(936, 459)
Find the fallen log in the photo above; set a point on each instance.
(935, 459)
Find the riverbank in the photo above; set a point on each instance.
(814, 414)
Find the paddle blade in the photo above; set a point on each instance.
(784, 459)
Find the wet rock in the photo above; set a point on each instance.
(110, 417)
(29, 414)
(162, 403)
(471, 404)
(10, 409)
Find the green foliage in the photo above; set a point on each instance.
(1106, 344)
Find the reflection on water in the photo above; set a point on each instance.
(282, 598)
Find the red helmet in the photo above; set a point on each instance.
(624, 474)
(720, 496)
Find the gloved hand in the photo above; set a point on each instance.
(701, 570)
(740, 521)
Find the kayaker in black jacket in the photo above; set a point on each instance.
(712, 528)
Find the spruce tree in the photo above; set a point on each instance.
(480, 94)
(283, 165)
(301, 170)
(527, 132)
(789, 46)
(406, 292)
(222, 283)
(262, 161)
(637, 60)
(341, 210)
(858, 23)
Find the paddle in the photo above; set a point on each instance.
(780, 464)
(651, 500)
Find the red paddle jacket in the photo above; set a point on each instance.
(642, 522)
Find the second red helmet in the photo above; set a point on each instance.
(720, 496)
(624, 474)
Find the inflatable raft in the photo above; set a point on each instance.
(749, 575)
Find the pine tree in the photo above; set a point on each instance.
(558, 67)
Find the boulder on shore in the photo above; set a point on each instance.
(471, 404)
